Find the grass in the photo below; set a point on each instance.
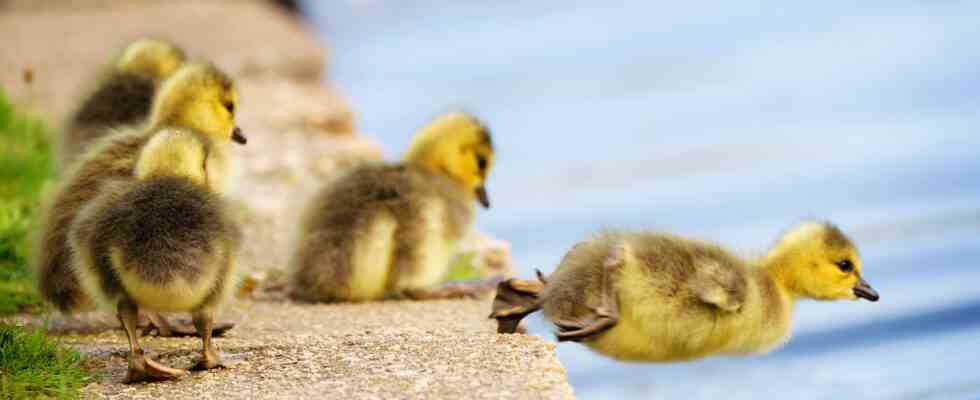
(25, 169)
(34, 366)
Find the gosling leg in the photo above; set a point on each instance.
(141, 368)
(606, 314)
(210, 359)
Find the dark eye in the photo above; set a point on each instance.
(230, 107)
(481, 162)
(845, 265)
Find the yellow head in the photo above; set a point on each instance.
(152, 58)
(458, 145)
(173, 153)
(816, 260)
(201, 98)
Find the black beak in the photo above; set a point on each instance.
(481, 195)
(238, 136)
(865, 291)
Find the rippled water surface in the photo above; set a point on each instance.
(725, 121)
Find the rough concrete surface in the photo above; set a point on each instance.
(301, 134)
(433, 349)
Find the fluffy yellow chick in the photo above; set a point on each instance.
(162, 242)
(123, 95)
(199, 99)
(388, 229)
(647, 296)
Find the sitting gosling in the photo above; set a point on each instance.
(199, 98)
(123, 96)
(162, 243)
(392, 229)
(644, 296)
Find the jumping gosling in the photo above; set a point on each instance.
(164, 242)
(645, 296)
(388, 229)
(199, 98)
(123, 95)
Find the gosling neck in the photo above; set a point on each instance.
(435, 166)
(770, 310)
(429, 156)
(428, 164)
(778, 268)
(216, 167)
(214, 160)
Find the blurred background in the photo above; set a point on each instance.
(724, 121)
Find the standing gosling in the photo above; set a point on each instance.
(390, 229)
(645, 296)
(123, 96)
(199, 98)
(164, 242)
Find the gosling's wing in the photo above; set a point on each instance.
(717, 285)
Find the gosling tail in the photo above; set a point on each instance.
(516, 298)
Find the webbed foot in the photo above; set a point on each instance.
(577, 331)
(515, 299)
(143, 369)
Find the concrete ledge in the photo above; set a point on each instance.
(442, 349)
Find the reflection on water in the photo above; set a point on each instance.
(725, 121)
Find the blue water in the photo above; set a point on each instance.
(725, 121)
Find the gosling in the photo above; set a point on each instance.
(656, 297)
(123, 95)
(390, 230)
(199, 98)
(164, 243)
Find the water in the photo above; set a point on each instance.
(728, 122)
